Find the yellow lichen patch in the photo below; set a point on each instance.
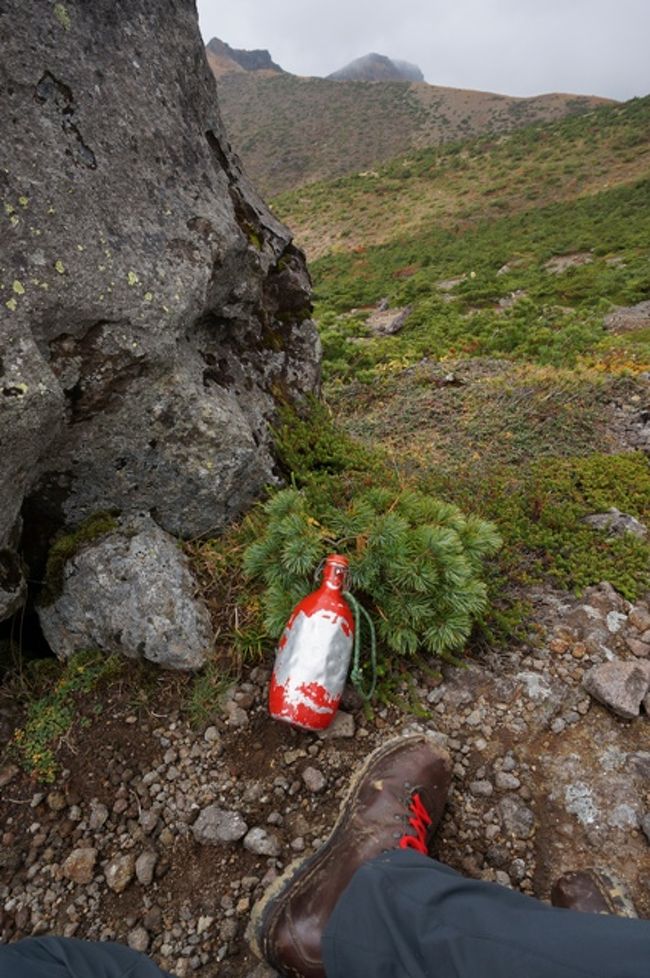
(23, 201)
(132, 278)
(13, 220)
(11, 304)
(59, 266)
(8, 208)
(148, 296)
(62, 15)
(18, 287)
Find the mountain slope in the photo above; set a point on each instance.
(462, 185)
(290, 131)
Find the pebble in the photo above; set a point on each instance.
(314, 779)
(138, 939)
(506, 781)
(80, 865)
(261, 842)
(342, 727)
(483, 789)
(518, 820)
(145, 865)
(119, 872)
(216, 825)
(98, 815)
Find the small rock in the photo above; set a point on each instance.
(119, 872)
(138, 939)
(216, 825)
(517, 870)
(145, 865)
(616, 523)
(98, 815)
(314, 779)
(483, 789)
(518, 820)
(80, 865)
(7, 774)
(211, 735)
(638, 648)
(262, 843)
(620, 686)
(236, 716)
(507, 782)
(56, 801)
(342, 726)
(639, 617)
(148, 820)
(203, 924)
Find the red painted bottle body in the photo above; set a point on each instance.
(313, 655)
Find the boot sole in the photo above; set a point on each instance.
(263, 911)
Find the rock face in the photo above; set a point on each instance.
(130, 592)
(257, 60)
(377, 67)
(153, 308)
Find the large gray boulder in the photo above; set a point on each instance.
(131, 592)
(153, 309)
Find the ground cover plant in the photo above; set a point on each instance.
(504, 395)
(415, 561)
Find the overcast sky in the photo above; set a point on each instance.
(517, 47)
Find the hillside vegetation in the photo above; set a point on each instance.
(467, 183)
(508, 391)
(290, 131)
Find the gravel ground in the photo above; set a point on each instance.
(163, 836)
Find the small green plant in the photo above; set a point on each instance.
(415, 561)
(67, 546)
(51, 715)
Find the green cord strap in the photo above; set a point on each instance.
(356, 673)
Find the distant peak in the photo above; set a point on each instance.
(258, 60)
(377, 67)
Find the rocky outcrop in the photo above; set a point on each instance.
(153, 308)
(377, 67)
(256, 60)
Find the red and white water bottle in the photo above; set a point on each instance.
(314, 653)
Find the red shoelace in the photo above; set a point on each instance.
(420, 820)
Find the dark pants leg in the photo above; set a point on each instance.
(406, 916)
(66, 957)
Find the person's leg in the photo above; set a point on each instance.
(405, 915)
(67, 957)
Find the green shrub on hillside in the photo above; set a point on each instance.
(415, 562)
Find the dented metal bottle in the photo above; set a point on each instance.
(314, 653)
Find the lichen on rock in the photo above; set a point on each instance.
(171, 304)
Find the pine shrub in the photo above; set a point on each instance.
(415, 562)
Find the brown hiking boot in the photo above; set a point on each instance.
(395, 800)
(593, 891)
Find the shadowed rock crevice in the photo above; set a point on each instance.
(151, 318)
(50, 90)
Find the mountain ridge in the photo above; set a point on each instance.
(377, 67)
(291, 131)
